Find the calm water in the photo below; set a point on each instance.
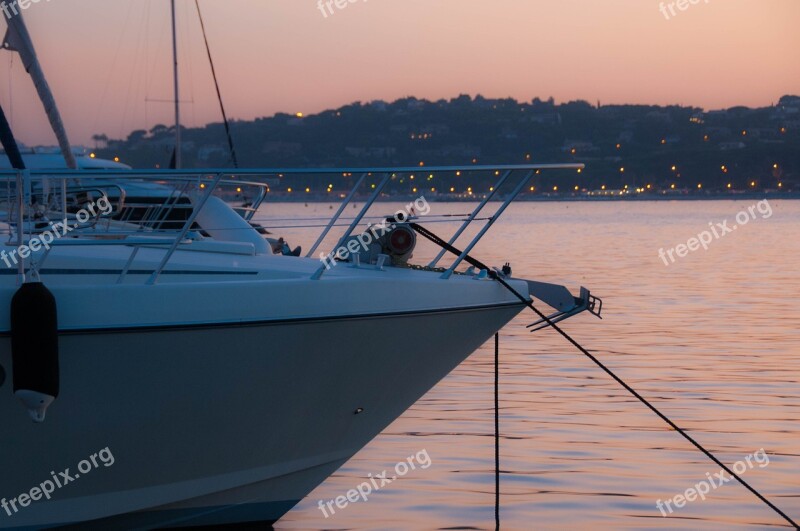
(712, 339)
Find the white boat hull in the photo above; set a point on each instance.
(226, 423)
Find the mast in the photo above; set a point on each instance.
(9, 143)
(19, 40)
(177, 90)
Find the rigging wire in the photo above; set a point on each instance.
(428, 219)
(160, 42)
(130, 103)
(527, 302)
(98, 109)
(497, 431)
(186, 44)
(147, 58)
(216, 85)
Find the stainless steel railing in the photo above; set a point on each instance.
(162, 208)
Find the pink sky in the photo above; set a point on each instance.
(104, 58)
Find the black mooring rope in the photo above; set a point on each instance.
(494, 275)
(497, 431)
(644, 401)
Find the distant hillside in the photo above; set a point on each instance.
(633, 145)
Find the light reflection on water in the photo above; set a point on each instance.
(713, 340)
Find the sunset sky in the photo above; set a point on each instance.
(105, 58)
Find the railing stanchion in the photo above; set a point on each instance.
(336, 216)
(447, 274)
(179, 238)
(318, 274)
(472, 216)
(23, 183)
